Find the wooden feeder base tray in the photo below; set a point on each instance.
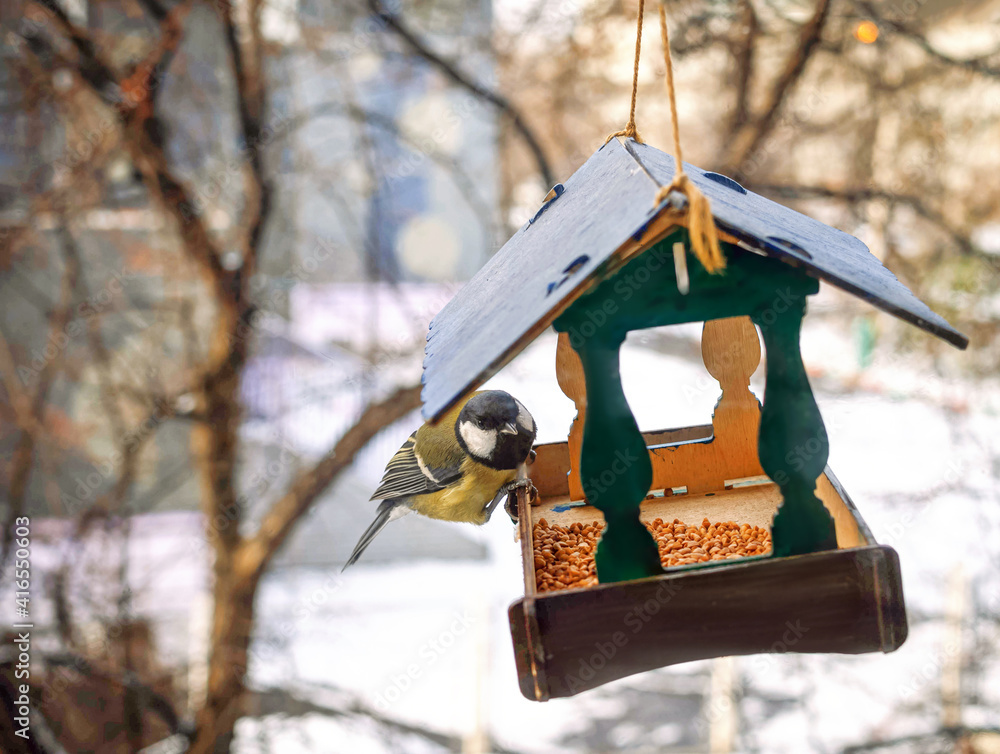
(848, 600)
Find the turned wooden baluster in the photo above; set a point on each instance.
(730, 349)
(569, 374)
(793, 441)
(615, 467)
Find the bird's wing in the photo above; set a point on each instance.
(407, 474)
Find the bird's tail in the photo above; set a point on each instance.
(384, 515)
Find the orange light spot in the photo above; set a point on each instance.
(866, 32)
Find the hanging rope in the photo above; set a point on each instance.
(630, 131)
(701, 225)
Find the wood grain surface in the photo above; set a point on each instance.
(843, 601)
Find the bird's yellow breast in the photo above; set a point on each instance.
(465, 501)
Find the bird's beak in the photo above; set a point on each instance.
(508, 429)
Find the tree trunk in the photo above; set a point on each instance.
(231, 630)
(215, 443)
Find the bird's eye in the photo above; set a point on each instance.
(480, 423)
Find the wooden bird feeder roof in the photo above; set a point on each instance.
(590, 226)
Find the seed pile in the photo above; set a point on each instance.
(564, 555)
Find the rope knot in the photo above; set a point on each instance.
(701, 225)
(629, 132)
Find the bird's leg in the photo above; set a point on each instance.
(511, 505)
(507, 489)
(492, 504)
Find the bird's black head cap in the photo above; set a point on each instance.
(495, 430)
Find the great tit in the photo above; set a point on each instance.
(458, 469)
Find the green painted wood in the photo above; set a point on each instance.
(793, 446)
(614, 466)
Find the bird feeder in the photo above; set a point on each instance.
(598, 261)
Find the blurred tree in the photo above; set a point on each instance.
(146, 209)
(108, 100)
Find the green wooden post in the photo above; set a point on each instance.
(614, 464)
(793, 446)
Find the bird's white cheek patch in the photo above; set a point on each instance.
(480, 442)
(524, 418)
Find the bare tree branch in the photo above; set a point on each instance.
(93, 69)
(745, 59)
(32, 425)
(155, 9)
(129, 448)
(450, 70)
(470, 190)
(258, 551)
(133, 100)
(745, 142)
(251, 105)
(151, 699)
